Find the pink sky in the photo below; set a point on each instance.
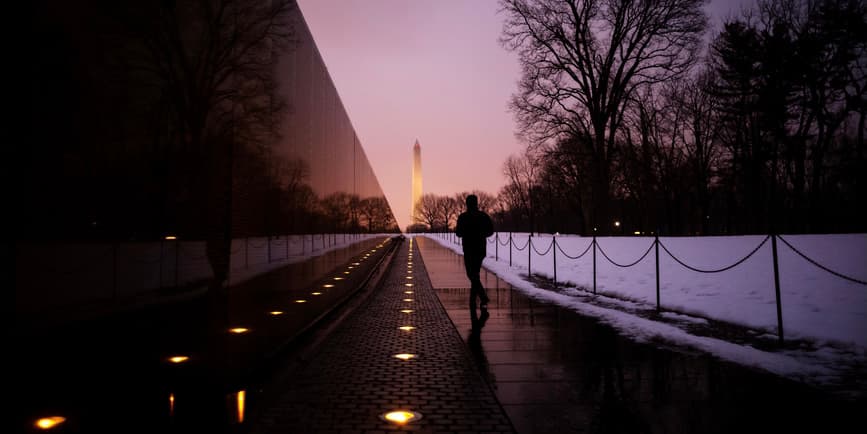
(426, 70)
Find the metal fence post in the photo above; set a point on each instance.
(510, 249)
(554, 248)
(656, 242)
(246, 252)
(530, 256)
(777, 288)
(269, 249)
(497, 246)
(594, 263)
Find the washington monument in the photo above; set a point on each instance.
(416, 180)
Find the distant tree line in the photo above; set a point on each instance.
(634, 123)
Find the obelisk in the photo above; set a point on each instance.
(416, 180)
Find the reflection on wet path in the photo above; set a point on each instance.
(556, 371)
(184, 367)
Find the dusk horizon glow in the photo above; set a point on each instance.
(433, 72)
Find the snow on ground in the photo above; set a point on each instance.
(824, 316)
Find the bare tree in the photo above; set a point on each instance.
(582, 61)
(427, 210)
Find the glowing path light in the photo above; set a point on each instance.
(400, 417)
(405, 356)
(49, 422)
(239, 330)
(178, 359)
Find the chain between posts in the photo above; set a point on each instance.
(655, 245)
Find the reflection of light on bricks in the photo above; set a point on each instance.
(276, 312)
(239, 330)
(400, 417)
(171, 404)
(408, 271)
(240, 401)
(406, 311)
(178, 359)
(407, 328)
(405, 356)
(49, 422)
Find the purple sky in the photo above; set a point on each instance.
(426, 70)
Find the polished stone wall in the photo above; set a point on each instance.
(151, 161)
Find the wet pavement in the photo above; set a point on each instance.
(353, 377)
(529, 367)
(555, 371)
(114, 373)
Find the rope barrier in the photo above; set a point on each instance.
(720, 269)
(522, 248)
(506, 243)
(550, 246)
(840, 275)
(621, 265)
(575, 257)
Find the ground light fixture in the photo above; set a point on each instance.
(276, 312)
(407, 292)
(406, 311)
(316, 293)
(328, 285)
(338, 278)
(409, 277)
(178, 359)
(407, 328)
(408, 300)
(49, 422)
(400, 417)
(407, 284)
(238, 330)
(405, 356)
(299, 301)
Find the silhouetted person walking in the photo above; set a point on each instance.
(474, 227)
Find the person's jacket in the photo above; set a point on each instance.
(474, 227)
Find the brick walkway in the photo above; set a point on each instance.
(354, 377)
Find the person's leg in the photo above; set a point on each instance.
(468, 266)
(477, 283)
